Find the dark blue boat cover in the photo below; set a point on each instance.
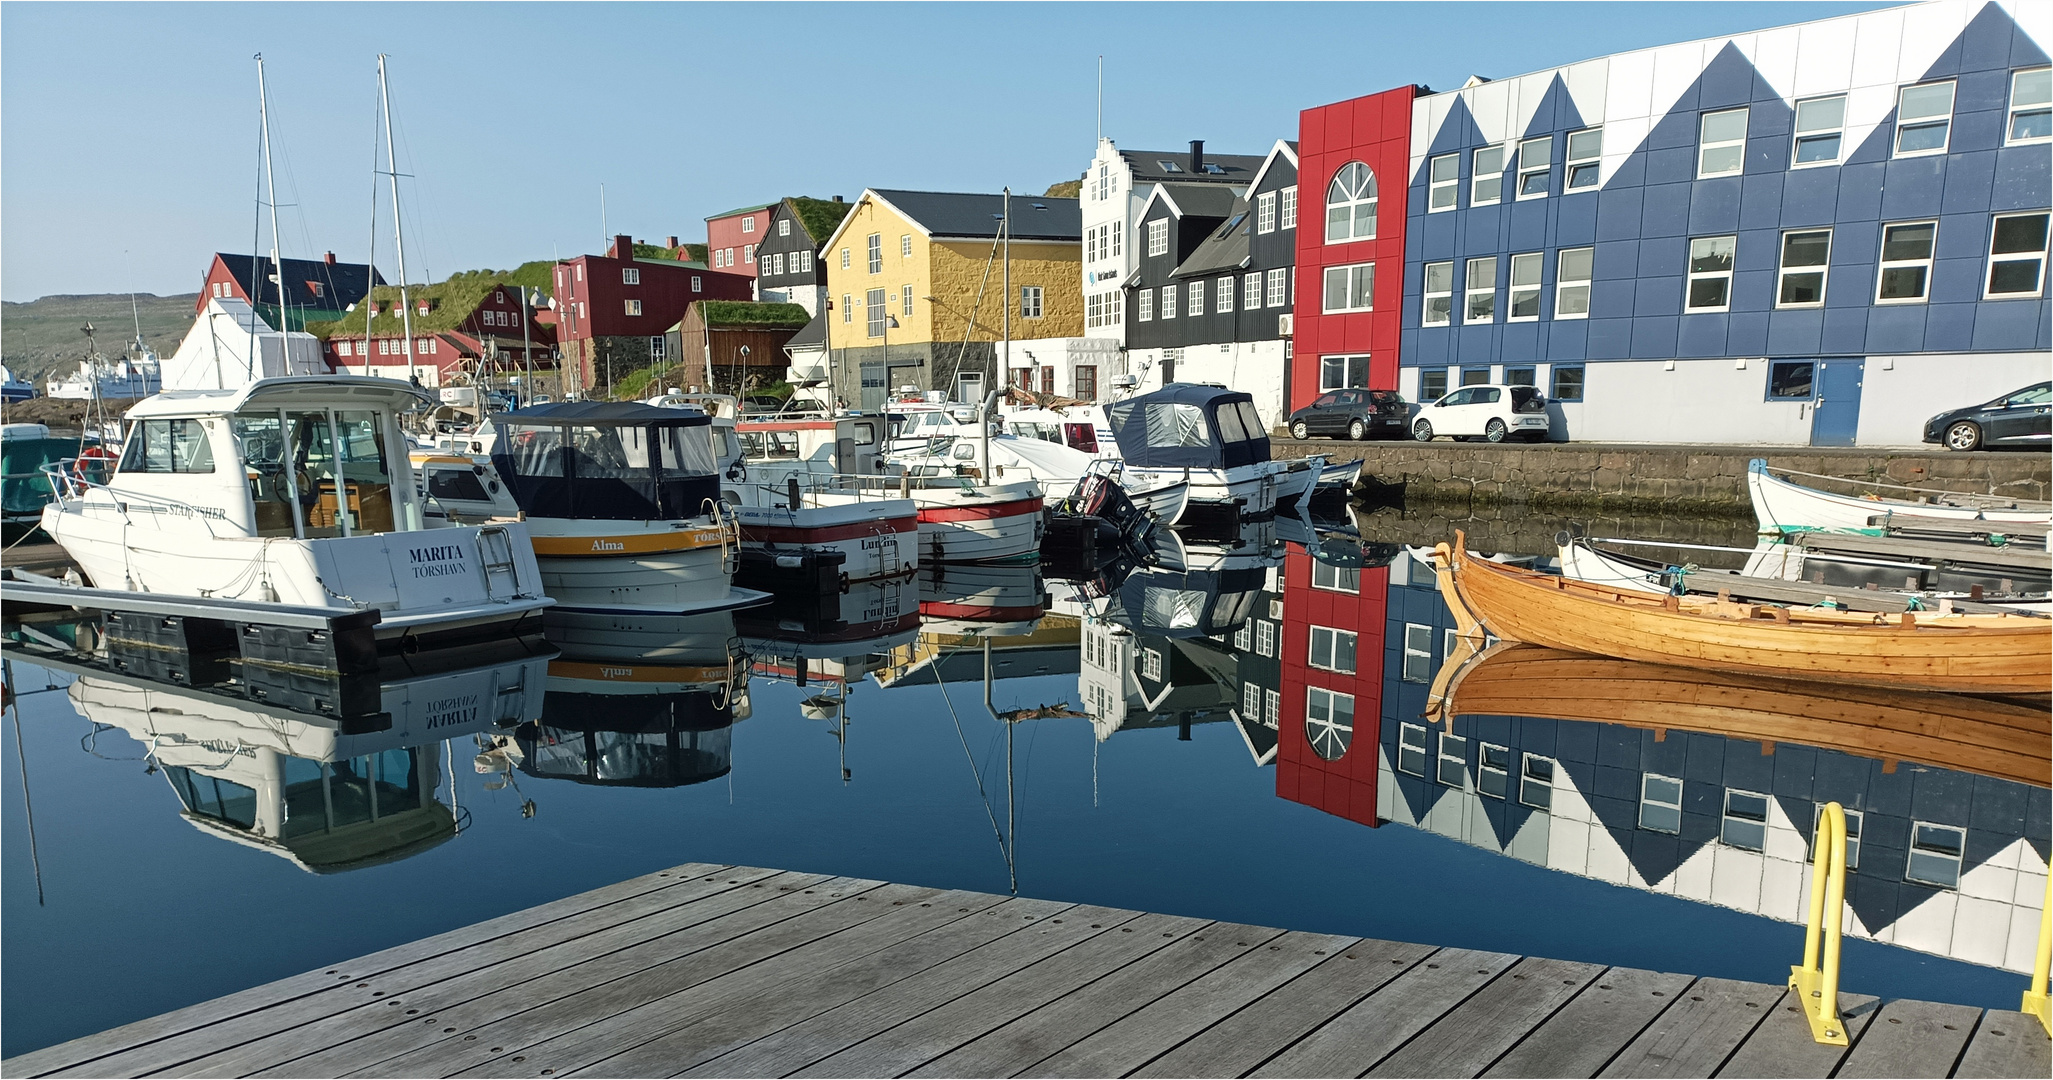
(1187, 426)
(607, 460)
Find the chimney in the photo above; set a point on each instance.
(838, 198)
(670, 242)
(623, 248)
(1197, 155)
(329, 258)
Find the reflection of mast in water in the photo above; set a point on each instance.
(13, 706)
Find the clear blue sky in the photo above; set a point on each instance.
(128, 132)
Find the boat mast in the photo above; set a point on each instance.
(398, 232)
(270, 200)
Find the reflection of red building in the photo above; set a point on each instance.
(1328, 347)
(1335, 603)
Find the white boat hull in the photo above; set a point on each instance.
(655, 567)
(1779, 504)
(1253, 487)
(968, 523)
(878, 538)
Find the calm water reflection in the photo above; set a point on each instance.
(1239, 740)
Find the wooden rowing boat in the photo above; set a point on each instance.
(2004, 739)
(1951, 653)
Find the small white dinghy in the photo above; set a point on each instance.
(1780, 504)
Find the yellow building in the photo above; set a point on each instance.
(917, 284)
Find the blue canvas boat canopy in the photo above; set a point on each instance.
(607, 460)
(1196, 603)
(1187, 426)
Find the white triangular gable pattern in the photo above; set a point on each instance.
(1864, 56)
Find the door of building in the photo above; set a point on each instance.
(874, 389)
(1836, 411)
(969, 386)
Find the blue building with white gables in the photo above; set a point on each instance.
(1815, 234)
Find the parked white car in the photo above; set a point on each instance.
(1492, 413)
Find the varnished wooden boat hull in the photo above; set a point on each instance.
(2002, 739)
(1973, 654)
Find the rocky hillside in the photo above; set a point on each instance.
(44, 335)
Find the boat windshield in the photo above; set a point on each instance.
(316, 472)
(613, 472)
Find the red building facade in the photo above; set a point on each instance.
(456, 324)
(613, 310)
(1341, 674)
(1331, 338)
(732, 238)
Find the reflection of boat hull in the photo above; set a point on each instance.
(1985, 654)
(696, 640)
(1779, 504)
(1999, 739)
(960, 523)
(878, 538)
(1000, 600)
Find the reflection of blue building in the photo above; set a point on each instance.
(1818, 233)
(1943, 862)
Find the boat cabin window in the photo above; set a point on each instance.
(1175, 424)
(635, 471)
(865, 433)
(213, 797)
(167, 446)
(1230, 429)
(770, 445)
(456, 482)
(1082, 437)
(1250, 420)
(322, 796)
(326, 469)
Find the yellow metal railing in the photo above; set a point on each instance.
(2035, 998)
(1816, 983)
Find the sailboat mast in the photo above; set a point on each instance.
(398, 231)
(271, 200)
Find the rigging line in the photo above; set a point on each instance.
(967, 756)
(256, 280)
(371, 257)
(955, 372)
(21, 755)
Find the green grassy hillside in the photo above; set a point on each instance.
(43, 335)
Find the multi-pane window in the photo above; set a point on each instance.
(1332, 650)
(844, 258)
(634, 307)
(1251, 701)
(1535, 161)
(1452, 767)
(1158, 237)
(907, 310)
(1536, 782)
(1086, 379)
(1418, 653)
(1481, 291)
(1102, 309)
(1029, 301)
(1151, 664)
(1351, 204)
(1346, 579)
(1329, 721)
(748, 254)
(1437, 309)
(1710, 274)
(2031, 107)
(1572, 272)
(1103, 188)
(1244, 638)
(847, 308)
(1432, 384)
(1289, 207)
(1487, 185)
(2017, 255)
(1251, 291)
(876, 312)
(1265, 212)
(1196, 303)
(1272, 707)
(1411, 749)
(1721, 143)
(1525, 287)
(1820, 128)
(1660, 803)
(1906, 268)
(1585, 158)
(1343, 372)
(905, 246)
(1348, 288)
(1144, 305)
(784, 227)
(748, 224)
(1853, 835)
(876, 250)
(1746, 820)
(1924, 116)
(1935, 854)
(1279, 294)
(1805, 254)
(1443, 182)
(1265, 637)
(1168, 301)
(1493, 769)
(630, 276)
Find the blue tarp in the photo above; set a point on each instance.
(1184, 425)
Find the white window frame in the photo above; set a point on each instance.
(1354, 371)
(873, 253)
(1341, 579)
(905, 245)
(1884, 264)
(1169, 295)
(1030, 298)
(2028, 107)
(1784, 271)
(1920, 845)
(1265, 638)
(1331, 636)
(1573, 289)
(1244, 638)
(844, 258)
(1532, 263)
(1542, 170)
(2037, 257)
(907, 306)
(1693, 275)
(1288, 207)
(1223, 296)
(1854, 820)
(1352, 189)
(1158, 237)
(1646, 780)
(1441, 290)
(1578, 159)
(1265, 212)
(1486, 772)
(784, 227)
(630, 276)
(1454, 759)
(656, 347)
(1728, 820)
(1411, 745)
(1352, 280)
(748, 254)
(1818, 132)
(1251, 291)
(1492, 175)
(1251, 702)
(1278, 297)
(1925, 121)
(1471, 294)
(1443, 183)
(633, 307)
(847, 304)
(1529, 780)
(1151, 664)
(1418, 646)
(1272, 707)
(1332, 699)
(1194, 303)
(748, 223)
(1705, 144)
(1144, 309)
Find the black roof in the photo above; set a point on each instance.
(342, 284)
(622, 413)
(814, 333)
(1225, 249)
(1201, 200)
(950, 213)
(1155, 166)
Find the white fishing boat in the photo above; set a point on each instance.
(134, 376)
(819, 485)
(623, 501)
(1780, 504)
(1210, 438)
(292, 491)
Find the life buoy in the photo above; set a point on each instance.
(88, 459)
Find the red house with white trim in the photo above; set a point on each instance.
(1332, 683)
(613, 310)
(732, 238)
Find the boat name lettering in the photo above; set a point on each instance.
(438, 560)
(451, 711)
(616, 673)
(608, 545)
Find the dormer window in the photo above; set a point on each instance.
(314, 287)
(1213, 168)
(1169, 166)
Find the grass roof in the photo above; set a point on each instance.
(819, 216)
(1065, 189)
(451, 301)
(684, 253)
(747, 313)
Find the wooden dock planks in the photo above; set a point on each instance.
(734, 971)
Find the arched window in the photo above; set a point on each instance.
(1351, 204)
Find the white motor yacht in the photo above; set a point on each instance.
(1208, 437)
(293, 490)
(818, 484)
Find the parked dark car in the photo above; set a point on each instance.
(2017, 417)
(1355, 414)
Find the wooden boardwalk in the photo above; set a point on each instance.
(736, 971)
